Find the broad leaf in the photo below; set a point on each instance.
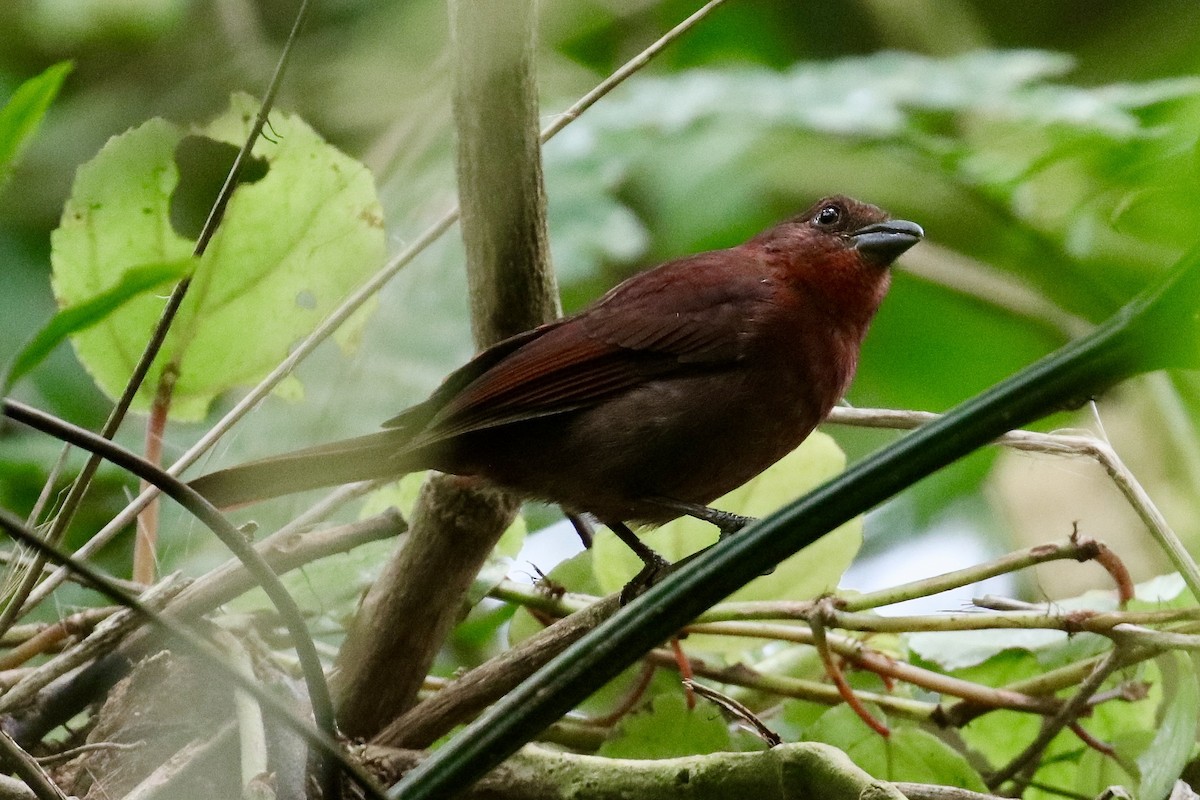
(291, 245)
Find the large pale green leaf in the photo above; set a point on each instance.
(668, 729)
(290, 247)
(909, 754)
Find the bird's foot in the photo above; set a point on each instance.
(654, 564)
(652, 570)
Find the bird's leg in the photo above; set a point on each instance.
(726, 522)
(583, 526)
(654, 563)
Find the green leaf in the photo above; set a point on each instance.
(812, 571)
(23, 113)
(909, 754)
(668, 729)
(290, 247)
(133, 283)
(1175, 737)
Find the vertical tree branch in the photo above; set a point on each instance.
(417, 600)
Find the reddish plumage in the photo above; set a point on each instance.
(677, 386)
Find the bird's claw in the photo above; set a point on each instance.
(729, 524)
(653, 569)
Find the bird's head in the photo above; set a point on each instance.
(841, 224)
(840, 248)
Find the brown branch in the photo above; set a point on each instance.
(53, 634)
(482, 686)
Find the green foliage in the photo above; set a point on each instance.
(23, 113)
(908, 754)
(289, 248)
(668, 728)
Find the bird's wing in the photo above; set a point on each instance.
(643, 329)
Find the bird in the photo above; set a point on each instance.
(677, 386)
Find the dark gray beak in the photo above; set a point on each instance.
(883, 242)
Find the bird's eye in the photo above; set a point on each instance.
(828, 216)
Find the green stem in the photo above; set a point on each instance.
(1158, 328)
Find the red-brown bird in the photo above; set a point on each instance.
(679, 385)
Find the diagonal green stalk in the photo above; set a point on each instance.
(1159, 328)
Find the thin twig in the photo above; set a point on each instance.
(839, 680)
(799, 688)
(92, 747)
(736, 710)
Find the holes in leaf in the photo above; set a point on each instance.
(203, 164)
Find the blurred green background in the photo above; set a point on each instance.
(1049, 149)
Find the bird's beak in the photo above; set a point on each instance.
(883, 242)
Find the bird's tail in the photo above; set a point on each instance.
(376, 455)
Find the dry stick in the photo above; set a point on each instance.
(474, 691)
(350, 306)
(736, 710)
(1063, 445)
(43, 642)
(11, 556)
(283, 552)
(186, 639)
(94, 747)
(192, 756)
(28, 770)
(23, 600)
(106, 636)
(34, 640)
(206, 513)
